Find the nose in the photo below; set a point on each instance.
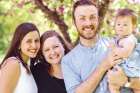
(34, 45)
(52, 51)
(120, 26)
(88, 22)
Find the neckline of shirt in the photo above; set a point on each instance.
(93, 46)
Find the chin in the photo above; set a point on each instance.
(89, 38)
(33, 56)
(56, 61)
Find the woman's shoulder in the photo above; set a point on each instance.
(11, 62)
(10, 68)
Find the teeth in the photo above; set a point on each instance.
(87, 29)
(53, 56)
(33, 51)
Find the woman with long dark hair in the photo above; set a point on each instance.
(15, 74)
(47, 72)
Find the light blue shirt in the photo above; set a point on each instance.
(81, 62)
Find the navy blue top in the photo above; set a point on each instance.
(45, 82)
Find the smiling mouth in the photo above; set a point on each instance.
(89, 28)
(120, 30)
(33, 51)
(54, 56)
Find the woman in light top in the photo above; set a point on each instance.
(15, 74)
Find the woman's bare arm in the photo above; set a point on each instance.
(10, 72)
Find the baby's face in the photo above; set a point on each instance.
(124, 25)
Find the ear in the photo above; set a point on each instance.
(134, 26)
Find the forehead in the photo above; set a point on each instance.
(86, 10)
(51, 41)
(124, 18)
(32, 34)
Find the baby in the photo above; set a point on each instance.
(124, 44)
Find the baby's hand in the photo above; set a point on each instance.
(116, 51)
(112, 45)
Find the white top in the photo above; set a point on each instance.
(26, 82)
(132, 37)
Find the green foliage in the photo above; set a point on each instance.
(107, 28)
(10, 17)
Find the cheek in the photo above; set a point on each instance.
(24, 47)
(24, 50)
(79, 23)
(62, 51)
(38, 46)
(130, 27)
(95, 22)
(45, 56)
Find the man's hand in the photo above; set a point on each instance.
(117, 77)
(110, 60)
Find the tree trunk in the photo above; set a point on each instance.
(103, 7)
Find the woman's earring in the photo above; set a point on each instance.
(19, 49)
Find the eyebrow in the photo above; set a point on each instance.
(81, 16)
(91, 15)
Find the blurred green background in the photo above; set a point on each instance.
(14, 12)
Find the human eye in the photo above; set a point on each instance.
(29, 41)
(125, 24)
(82, 18)
(56, 46)
(118, 24)
(37, 40)
(46, 50)
(92, 17)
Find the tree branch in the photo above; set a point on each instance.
(103, 6)
(53, 15)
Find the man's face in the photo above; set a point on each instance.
(86, 21)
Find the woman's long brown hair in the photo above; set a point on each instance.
(19, 34)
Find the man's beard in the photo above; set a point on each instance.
(94, 32)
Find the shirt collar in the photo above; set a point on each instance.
(93, 46)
